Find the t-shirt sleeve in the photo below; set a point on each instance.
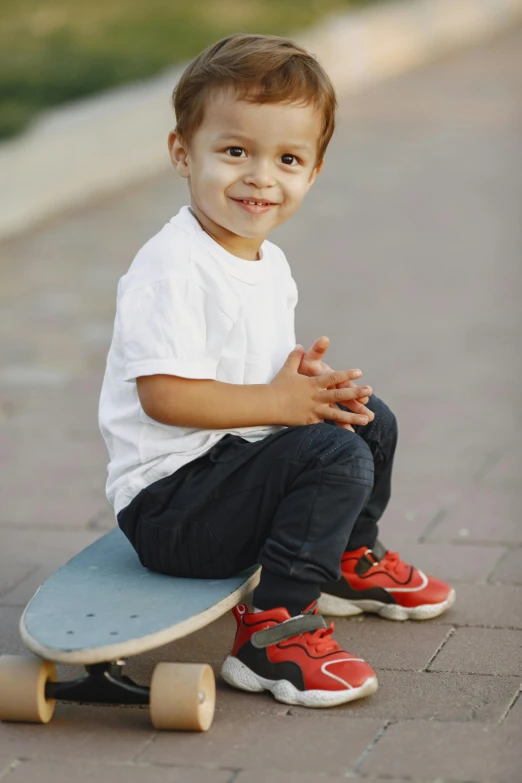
(171, 327)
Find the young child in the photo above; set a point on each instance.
(228, 445)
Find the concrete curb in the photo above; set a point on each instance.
(111, 140)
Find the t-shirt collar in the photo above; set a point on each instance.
(253, 272)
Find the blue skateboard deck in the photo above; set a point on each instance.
(103, 605)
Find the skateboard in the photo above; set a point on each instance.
(97, 610)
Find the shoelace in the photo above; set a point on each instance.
(392, 562)
(320, 640)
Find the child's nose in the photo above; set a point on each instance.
(260, 175)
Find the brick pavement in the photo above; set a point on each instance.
(419, 211)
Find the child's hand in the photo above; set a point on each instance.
(313, 365)
(301, 400)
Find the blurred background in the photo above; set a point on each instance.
(54, 51)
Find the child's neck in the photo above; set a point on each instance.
(242, 247)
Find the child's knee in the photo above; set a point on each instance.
(339, 450)
(385, 421)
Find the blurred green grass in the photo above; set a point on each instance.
(54, 51)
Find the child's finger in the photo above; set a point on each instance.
(347, 384)
(335, 379)
(361, 410)
(318, 349)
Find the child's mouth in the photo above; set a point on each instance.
(254, 207)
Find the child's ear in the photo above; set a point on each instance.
(314, 173)
(178, 150)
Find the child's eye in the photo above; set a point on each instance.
(235, 152)
(289, 160)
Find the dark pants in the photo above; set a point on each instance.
(293, 502)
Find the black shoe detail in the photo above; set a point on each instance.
(363, 565)
(282, 631)
(369, 559)
(258, 662)
(378, 551)
(342, 589)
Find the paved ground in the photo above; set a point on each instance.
(407, 255)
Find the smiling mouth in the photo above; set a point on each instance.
(255, 203)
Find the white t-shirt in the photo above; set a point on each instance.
(187, 307)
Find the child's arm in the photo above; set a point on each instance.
(291, 399)
(207, 404)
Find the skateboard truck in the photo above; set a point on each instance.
(103, 683)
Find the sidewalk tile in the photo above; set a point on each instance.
(490, 514)
(514, 716)
(457, 751)
(425, 460)
(38, 546)
(273, 776)
(87, 772)
(10, 641)
(486, 605)
(481, 651)
(115, 734)
(414, 504)
(48, 551)
(508, 569)
(269, 742)
(6, 761)
(32, 500)
(77, 468)
(507, 471)
(230, 699)
(389, 645)
(12, 573)
(432, 696)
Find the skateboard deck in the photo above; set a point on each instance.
(101, 607)
(103, 604)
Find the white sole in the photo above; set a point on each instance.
(340, 607)
(236, 674)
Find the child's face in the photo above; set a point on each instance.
(244, 152)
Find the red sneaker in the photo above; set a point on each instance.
(376, 580)
(295, 658)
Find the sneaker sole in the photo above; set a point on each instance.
(340, 607)
(236, 674)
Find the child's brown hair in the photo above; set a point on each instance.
(261, 69)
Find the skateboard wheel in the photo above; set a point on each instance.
(182, 696)
(22, 689)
